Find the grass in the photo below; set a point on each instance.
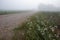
(12, 12)
(7, 12)
(40, 26)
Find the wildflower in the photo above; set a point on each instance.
(30, 28)
(43, 33)
(38, 20)
(39, 28)
(51, 16)
(36, 16)
(22, 33)
(50, 26)
(57, 36)
(52, 29)
(54, 39)
(28, 23)
(42, 23)
(55, 26)
(45, 28)
(50, 35)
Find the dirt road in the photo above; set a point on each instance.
(9, 22)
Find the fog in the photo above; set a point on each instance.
(29, 4)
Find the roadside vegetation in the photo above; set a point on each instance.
(40, 26)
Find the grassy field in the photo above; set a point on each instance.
(6, 12)
(12, 12)
(40, 26)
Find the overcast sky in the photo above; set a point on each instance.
(26, 4)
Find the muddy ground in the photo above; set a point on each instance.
(10, 21)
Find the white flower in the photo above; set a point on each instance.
(42, 23)
(38, 20)
(30, 28)
(57, 36)
(47, 22)
(44, 20)
(55, 26)
(39, 28)
(36, 16)
(28, 23)
(50, 35)
(52, 29)
(22, 33)
(51, 16)
(54, 39)
(42, 33)
(42, 30)
(50, 26)
(45, 28)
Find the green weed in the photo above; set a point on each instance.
(38, 27)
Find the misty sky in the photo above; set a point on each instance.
(26, 4)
